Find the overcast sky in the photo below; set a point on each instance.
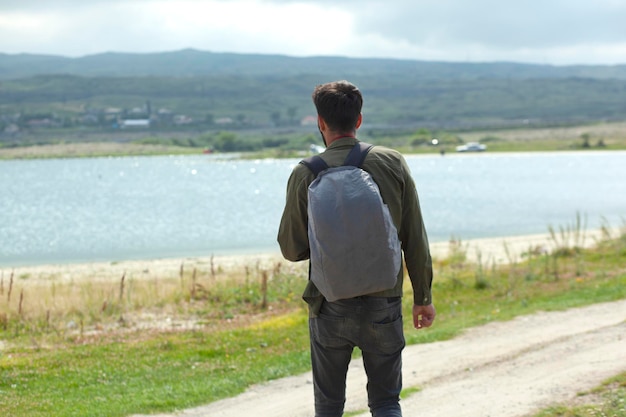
(559, 32)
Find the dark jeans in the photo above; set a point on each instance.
(374, 324)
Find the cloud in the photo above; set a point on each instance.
(146, 26)
(549, 31)
(488, 27)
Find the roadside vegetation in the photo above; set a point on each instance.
(151, 343)
(606, 400)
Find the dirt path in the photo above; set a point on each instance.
(503, 369)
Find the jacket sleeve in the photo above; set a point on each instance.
(293, 235)
(415, 242)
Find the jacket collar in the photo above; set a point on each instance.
(347, 141)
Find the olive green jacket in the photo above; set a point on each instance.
(390, 171)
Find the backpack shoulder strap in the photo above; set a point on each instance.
(355, 158)
(357, 155)
(315, 163)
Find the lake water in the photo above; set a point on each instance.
(108, 209)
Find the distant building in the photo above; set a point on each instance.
(12, 129)
(181, 119)
(308, 121)
(135, 123)
(165, 116)
(224, 121)
(42, 123)
(89, 119)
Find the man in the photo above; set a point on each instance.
(373, 323)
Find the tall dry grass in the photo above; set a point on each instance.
(67, 308)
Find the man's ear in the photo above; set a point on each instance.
(358, 121)
(321, 124)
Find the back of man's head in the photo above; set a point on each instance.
(339, 103)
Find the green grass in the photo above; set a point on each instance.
(160, 373)
(249, 332)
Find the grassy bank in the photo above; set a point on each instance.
(91, 150)
(142, 344)
(281, 144)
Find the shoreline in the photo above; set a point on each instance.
(121, 150)
(498, 250)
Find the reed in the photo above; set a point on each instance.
(569, 238)
(10, 288)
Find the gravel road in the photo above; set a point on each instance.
(502, 369)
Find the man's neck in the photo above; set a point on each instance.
(332, 137)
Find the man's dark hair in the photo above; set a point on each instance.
(339, 103)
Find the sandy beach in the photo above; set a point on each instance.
(486, 250)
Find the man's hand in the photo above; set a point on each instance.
(423, 316)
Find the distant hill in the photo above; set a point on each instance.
(194, 63)
(269, 90)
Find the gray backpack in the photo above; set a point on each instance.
(354, 246)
